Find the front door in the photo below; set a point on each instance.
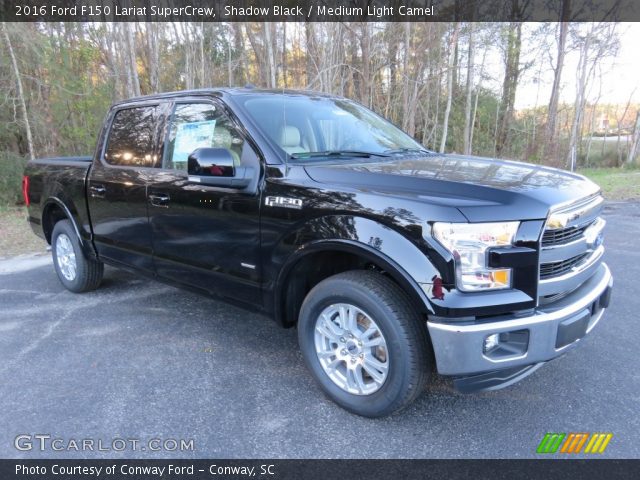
(203, 236)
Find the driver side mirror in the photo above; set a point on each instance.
(216, 167)
(211, 162)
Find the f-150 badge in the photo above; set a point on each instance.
(285, 202)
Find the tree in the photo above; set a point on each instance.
(595, 41)
(477, 97)
(271, 58)
(132, 64)
(469, 91)
(65, 76)
(21, 97)
(633, 149)
(550, 144)
(513, 44)
(450, 70)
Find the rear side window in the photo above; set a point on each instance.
(131, 139)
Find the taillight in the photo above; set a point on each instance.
(25, 190)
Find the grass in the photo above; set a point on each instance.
(616, 183)
(604, 153)
(16, 236)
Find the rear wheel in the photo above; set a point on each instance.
(364, 343)
(75, 271)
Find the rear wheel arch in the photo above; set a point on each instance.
(54, 211)
(322, 259)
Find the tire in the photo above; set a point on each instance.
(75, 271)
(402, 345)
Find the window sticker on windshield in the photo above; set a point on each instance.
(190, 136)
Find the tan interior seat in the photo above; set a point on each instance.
(290, 140)
(222, 138)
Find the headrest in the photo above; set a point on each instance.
(289, 136)
(222, 137)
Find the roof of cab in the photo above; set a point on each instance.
(222, 92)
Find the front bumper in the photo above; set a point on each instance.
(550, 331)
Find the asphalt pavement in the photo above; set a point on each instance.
(137, 361)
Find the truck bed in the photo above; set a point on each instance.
(59, 180)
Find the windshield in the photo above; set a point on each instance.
(310, 127)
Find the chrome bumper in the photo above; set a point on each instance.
(458, 347)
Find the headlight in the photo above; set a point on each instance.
(468, 242)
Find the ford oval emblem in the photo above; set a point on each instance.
(597, 241)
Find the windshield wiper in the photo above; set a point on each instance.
(394, 151)
(338, 153)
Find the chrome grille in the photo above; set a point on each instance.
(571, 249)
(563, 235)
(554, 269)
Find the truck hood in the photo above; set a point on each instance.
(482, 189)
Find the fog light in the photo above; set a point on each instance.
(506, 344)
(491, 341)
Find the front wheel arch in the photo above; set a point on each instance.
(293, 283)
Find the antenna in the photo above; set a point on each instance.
(284, 130)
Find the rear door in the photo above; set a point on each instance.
(117, 186)
(204, 236)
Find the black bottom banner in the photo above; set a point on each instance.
(317, 469)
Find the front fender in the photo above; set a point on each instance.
(382, 245)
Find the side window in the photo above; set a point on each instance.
(198, 125)
(131, 138)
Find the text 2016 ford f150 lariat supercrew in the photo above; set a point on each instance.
(391, 260)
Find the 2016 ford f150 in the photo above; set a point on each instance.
(391, 260)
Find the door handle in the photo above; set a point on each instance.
(97, 191)
(159, 200)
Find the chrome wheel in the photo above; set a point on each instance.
(66, 257)
(351, 349)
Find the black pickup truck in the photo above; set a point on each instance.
(391, 260)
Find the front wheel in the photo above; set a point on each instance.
(364, 343)
(75, 271)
